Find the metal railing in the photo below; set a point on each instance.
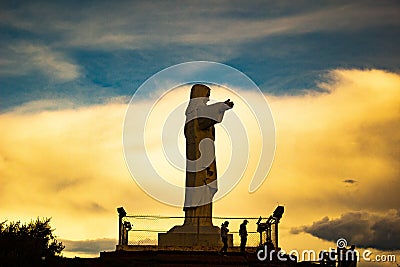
(145, 228)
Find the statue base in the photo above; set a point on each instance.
(199, 237)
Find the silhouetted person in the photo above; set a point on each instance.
(224, 237)
(243, 236)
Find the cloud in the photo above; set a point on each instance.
(27, 57)
(67, 163)
(91, 246)
(349, 181)
(110, 48)
(113, 26)
(349, 130)
(365, 230)
(41, 105)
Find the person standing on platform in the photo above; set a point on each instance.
(243, 236)
(224, 237)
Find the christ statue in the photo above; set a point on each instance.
(201, 171)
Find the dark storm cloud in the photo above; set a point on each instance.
(363, 229)
(90, 246)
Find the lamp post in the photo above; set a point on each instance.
(121, 215)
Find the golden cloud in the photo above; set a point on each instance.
(69, 163)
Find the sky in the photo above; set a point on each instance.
(329, 71)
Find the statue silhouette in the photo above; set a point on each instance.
(201, 171)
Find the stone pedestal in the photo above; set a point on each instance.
(204, 237)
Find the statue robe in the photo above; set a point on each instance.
(201, 171)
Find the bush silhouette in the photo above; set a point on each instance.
(27, 244)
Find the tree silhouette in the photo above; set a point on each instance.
(27, 244)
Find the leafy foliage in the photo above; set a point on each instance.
(22, 244)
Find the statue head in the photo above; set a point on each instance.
(200, 90)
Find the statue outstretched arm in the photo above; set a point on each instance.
(212, 114)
